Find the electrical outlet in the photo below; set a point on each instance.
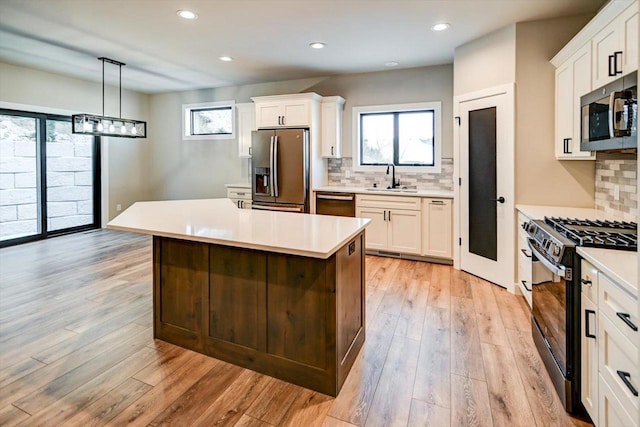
(118, 207)
(616, 192)
(347, 173)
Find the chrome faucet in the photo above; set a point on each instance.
(394, 184)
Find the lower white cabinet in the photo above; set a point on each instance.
(437, 228)
(395, 222)
(525, 261)
(240, 195)
(609, 351)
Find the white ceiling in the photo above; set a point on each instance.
(268, 39)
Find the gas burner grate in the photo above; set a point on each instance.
(597, 233)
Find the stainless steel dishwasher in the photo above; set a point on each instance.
(337, 204)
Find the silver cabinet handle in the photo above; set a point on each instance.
(437, 202)
(332, 197)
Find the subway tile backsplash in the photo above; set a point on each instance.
(423, 181)
(620, 173)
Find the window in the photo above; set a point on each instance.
(406, 135)
(211, 120)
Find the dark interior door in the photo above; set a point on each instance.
(483, 238)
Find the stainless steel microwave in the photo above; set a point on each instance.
(609, 116)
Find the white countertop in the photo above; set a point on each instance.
(620, 266)
(362, 190)
(539, 212)
(219, 221)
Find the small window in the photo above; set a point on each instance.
(406, 135)
(214, 120)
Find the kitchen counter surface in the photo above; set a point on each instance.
(411, 192)
(219, 221)
(239, 184)
(539, 212)
(620, 266)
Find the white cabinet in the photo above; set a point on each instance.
(573, 79)
(609, 351)
(395, 222)
(285, 110)
(437, 228)
(525, 264)
(246, 125)
(331, 126)
(589, 340)
(240, 194)
(615, 47)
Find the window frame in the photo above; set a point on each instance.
(359, 112)
(187, 120)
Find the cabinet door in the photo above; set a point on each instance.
(331, 130)
(628, 23)
(404, 231)
(437, 228)
(376, 233)
(246, 124)
(605, 44)
(296, 113)
(589, 357)
(611, 412)
(268, 114)
(573, 79)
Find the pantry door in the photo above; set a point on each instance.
(486, 185)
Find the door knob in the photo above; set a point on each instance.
(499, 200)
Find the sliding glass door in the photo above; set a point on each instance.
(49, 177)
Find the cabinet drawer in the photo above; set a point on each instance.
(589, 282)
(239, 194)
(620, 307)
(617, 355)
(611, 413)
(388, 202)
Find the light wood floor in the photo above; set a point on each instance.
(76, 348)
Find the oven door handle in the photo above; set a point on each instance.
(558, 270)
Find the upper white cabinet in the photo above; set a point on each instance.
(331, 127)
(573, 79)
(615, 47)
(604, 50)
(246, 124)
(285, 110)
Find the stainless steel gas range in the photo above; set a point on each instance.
(556, 292)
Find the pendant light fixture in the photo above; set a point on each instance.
(90, 124)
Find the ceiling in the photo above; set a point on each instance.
(268, 39)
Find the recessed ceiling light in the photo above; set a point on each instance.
(440, 27)
(226, 58)
(391, 64)
(187, 14)
(317, 45)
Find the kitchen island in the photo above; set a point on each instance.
(279, 293)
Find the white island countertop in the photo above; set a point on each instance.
(219, 221)
(444, 194)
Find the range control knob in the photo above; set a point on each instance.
(556, 250)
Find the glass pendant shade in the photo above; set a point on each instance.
(91, 124)
(87, 124)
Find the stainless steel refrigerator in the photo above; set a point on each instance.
(280, 170)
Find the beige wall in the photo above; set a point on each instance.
(540, 178)
(485, 62)
(127, 158)
(422, 84)
(199, 169)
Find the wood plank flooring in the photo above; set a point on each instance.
(443, 348)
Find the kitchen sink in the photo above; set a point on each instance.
(393, 190)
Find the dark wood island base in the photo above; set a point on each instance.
(296, 318)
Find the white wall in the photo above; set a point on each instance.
(127, 158)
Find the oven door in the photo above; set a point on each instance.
(550, 305)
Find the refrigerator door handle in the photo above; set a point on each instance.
(271, 166)
(274, 171)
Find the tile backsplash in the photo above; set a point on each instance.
(620, 173)
(340, 168)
